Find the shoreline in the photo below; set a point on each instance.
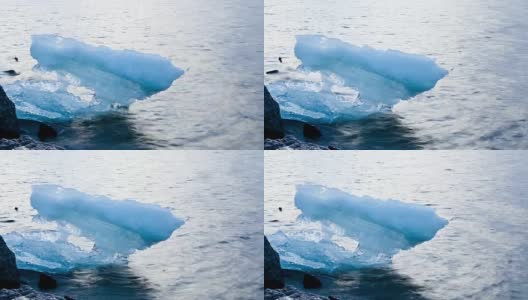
(275, 286)
(18, 134)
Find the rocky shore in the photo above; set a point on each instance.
(11, 285)
(282, 134)
(16, 134)
(275, 286)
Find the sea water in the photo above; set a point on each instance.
(479, 254)
(213, 254)
(219, 47)
(479, 104)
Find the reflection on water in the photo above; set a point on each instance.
(118, 282)
(114, 130)
(379, 131)
(364, 284)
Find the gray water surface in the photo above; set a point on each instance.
(480, 254)
(480, 104)
(216, 254)
(217, 104)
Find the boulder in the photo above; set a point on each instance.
(9, 126)
(273, 276)
(273, 127)
(47, 282)
(311, 131)
(9, 275)
(311, 282)
(46, 132)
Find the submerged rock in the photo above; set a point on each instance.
(273, 277)
(47, 282)
(272, 72)
(273, 127)
(9, 126)
(46, 132)
(25, 292)
(311, 282)
(311, 131)
(9, 275)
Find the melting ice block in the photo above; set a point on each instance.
(379, 79)
(91, 230)
(150, 71)
(342, 231)
(76, 79)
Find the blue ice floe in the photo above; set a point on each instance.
(90, 230)
(74, 79)
(342, 231)
(341, 82)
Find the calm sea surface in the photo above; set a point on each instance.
(216, 254)
(481, 104)
(480, 254)
(217, 104)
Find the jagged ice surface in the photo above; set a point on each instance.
(74, 78)
(91, 230)
(339, 230)
(351, 82)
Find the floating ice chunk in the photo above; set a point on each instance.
(151, 72)
(415, 72)
(331, 219)
(92, 230)
(379, 78)
(74, 79)
(326, 101)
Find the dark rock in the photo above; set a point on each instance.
(332, 298)
(272, 72)
(311, 131)
(26, 292)
(290, 292)
(273, 277)
(290, 142)
(46, 132)
(47, 282)
(9, 276)
(11, 72)
(311, 282)
(332, 148)
(9, 126)
(68, 298)
(26, 143)
(273, 127)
